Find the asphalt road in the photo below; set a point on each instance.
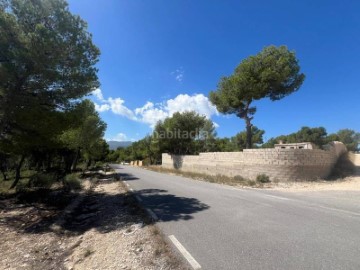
(227, 228)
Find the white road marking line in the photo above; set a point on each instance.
(152, 214)
(195, 265)
(277, 197)
(319, 206)
(338, 210)
(138, 198)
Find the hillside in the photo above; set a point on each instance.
(113, 145)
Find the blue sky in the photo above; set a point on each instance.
(158, 57)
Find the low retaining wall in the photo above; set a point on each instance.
(136, 163)
(278, 164)
(356, 161)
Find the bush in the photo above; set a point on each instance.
(251, 183)
(72, 182)
(42, 180)
(263, 178)
(22, 187)
(98, 165)
(239, 178)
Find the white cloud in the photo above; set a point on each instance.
(178, 74)
(98, 94)
(216, 125)
(197, 102)
(151, 113)
(102, 107)
(117, 106)
(119, 137)
(147, 106)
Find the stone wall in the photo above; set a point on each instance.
(279, 164)
(356, 160)
(136, 163)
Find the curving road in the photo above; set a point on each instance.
(227, 228)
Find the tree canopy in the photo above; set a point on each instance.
(47, 65)
(319, 137)
(183, 133)
(349, 137)
(273, 73)
(47, 60)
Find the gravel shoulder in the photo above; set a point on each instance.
(347, 184)
(106, 230)
(351, 183)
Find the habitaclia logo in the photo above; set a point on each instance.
(181, 134)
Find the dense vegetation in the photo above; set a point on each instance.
(47, 66)
(150, 148)
(319, 137)
(186, 133)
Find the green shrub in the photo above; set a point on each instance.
(239, 178)
(22, 186)
(263, 178)
(98, 165)
(251, 183)
(42, 180)
(72, 182)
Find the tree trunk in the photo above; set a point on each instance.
(18, 172)
(48, 162)
(3, 166)
(88, 164)
(75, 161)
(248, 133)
(67, 161)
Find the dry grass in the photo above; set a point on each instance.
(338, 181)
(237, 180)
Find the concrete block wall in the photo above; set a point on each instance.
(356, 161)
(279, 164)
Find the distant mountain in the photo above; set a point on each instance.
(113, 145)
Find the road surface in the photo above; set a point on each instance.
(222, 227)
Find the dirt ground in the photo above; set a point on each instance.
(348, 183)
(106, 230)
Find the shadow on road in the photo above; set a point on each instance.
(126, 176)
(169, 207)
